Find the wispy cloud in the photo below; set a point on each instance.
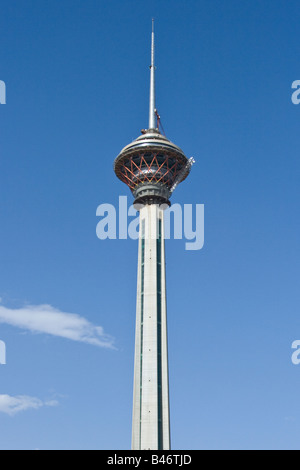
(47, 319)
(13, 405)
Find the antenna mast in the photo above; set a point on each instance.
(152, 84)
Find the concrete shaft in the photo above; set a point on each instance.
(151, 427)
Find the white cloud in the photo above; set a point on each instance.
(13, 405)
(47, 319)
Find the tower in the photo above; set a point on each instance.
(151, 166)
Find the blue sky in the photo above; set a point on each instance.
(77, 81)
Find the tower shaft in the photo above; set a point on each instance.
(151, 429)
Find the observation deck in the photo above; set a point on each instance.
(150, 166)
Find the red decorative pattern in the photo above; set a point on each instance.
(163, 168)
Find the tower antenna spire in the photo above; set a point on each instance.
(152, 84)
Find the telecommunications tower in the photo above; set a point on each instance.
(152, 166)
